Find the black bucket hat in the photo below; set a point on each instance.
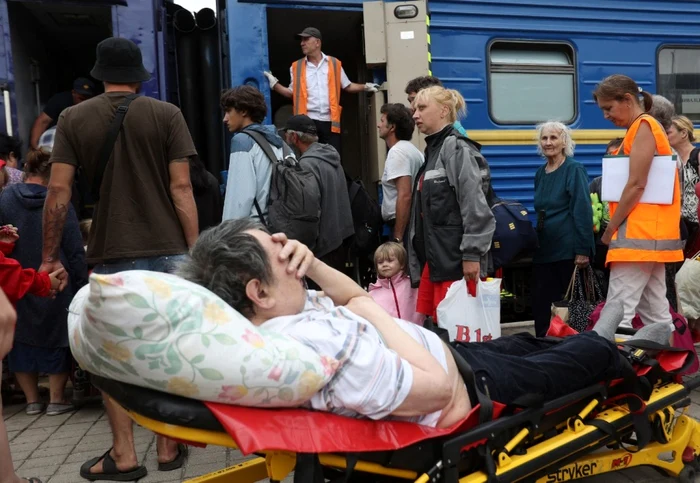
(119, 61)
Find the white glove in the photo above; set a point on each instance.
(371, 87)
(271, 78)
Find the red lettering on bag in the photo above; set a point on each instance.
(463, 334)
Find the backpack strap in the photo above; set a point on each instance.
(108, 146)
(693, 159)
(267, 149)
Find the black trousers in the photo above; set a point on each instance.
(514, 366)
(549, 284)
(326, 136)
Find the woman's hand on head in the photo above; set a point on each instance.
(300, 258)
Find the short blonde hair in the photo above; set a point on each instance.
(445, 97)
(563, 130)
(389, 250)
(682, 123)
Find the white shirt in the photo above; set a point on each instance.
(403, 159)
(318, 106)
(371, 379)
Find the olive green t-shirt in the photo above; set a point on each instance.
(135, 216)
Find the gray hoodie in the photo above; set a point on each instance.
(336, 217)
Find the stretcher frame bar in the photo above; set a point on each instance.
(567, 447)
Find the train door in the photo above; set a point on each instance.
(52, 43)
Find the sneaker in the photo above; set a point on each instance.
(34, 408)
(54, 409)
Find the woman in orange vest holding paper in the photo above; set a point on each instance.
(641, 237)
(316, 82)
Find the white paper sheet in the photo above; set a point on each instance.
(659, 189)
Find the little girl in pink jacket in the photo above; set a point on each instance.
(393, 287)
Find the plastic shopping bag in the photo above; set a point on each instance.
(468, 318)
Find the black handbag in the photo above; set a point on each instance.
(586, 294)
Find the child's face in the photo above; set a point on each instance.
(388, 267)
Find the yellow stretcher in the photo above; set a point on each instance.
(587, 433)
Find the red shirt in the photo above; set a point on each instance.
(16, 281)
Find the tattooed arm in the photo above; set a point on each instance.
(55, 213)
(183, 199)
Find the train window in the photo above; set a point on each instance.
(531, 82)
(678, 79)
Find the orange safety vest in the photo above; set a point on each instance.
(651, 233)
(301, 95)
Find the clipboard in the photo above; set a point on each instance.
(660, 183)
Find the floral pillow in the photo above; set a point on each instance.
(160, 331)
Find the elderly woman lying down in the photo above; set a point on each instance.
(388, 368)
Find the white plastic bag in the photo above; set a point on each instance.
(688, 287)
(472, 319)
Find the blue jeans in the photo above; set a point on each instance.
(165, 264)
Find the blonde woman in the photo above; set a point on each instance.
(681, 136)
(564, 220)
(451, 225)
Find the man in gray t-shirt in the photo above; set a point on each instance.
(402, 163)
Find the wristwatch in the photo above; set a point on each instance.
(397, 240)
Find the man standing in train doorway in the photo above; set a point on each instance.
(316, 82)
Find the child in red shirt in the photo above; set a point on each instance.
(16, 281)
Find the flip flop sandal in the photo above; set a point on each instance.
(177, 462)
(110, 470)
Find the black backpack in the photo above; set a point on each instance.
(366, 217)
(693, 159)
(294, 203)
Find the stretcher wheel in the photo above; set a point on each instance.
(688, 474)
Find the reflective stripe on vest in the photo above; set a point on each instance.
(334, 85)
(300, 94)
(299, 74)
(640, 244)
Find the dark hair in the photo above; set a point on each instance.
(37, 163)
(420, 83)
(617, 86)
(401, 118)
(614, 143)
(247, 100)
(9, 144)
(225, 258)
(198, 175)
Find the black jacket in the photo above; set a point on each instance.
(451, 218)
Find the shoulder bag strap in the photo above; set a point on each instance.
(108, 146)
(267, 149)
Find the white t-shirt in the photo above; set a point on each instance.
(318, 104)
(371, 380)
(403, 159)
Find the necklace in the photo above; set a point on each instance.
(548, 170)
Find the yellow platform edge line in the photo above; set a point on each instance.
(500, 137)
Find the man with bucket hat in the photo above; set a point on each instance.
(134, 152)
(316, 82)
(83, 89)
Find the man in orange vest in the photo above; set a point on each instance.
(316, 82)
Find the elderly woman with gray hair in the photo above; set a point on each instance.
(564, 220)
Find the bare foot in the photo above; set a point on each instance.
(124, 462)
(167, 449)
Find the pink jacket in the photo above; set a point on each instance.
(397, 297)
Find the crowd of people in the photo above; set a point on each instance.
(437, 205)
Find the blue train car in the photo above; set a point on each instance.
(517, 63)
